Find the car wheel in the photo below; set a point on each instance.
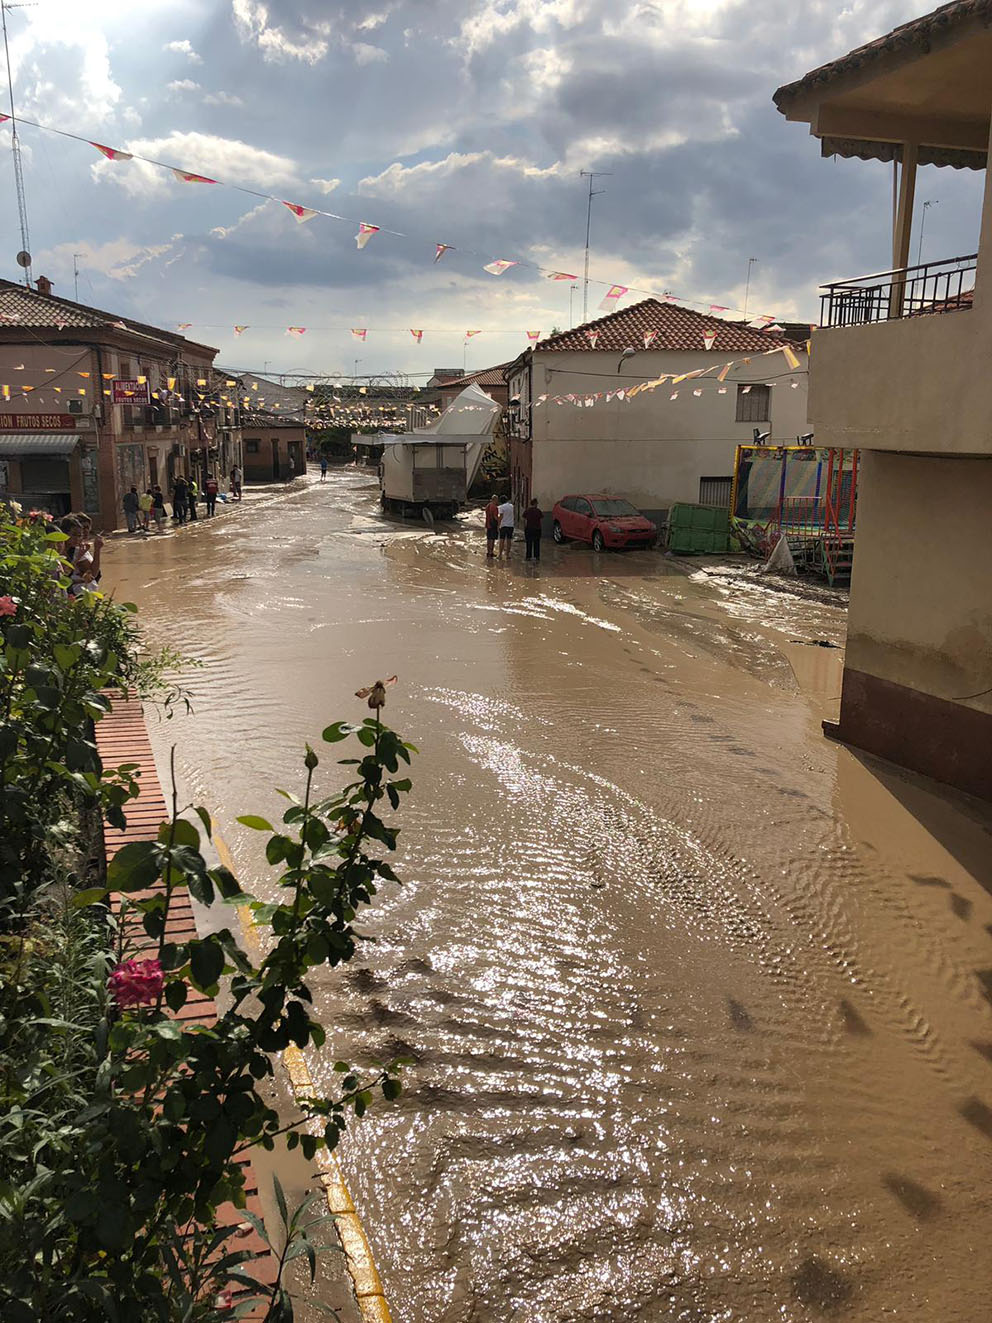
(597, 540)
(557, 534)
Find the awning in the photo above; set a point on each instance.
(55, 445)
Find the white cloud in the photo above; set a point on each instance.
(251, 19)
(417, 180)
(182, 85)
(366, 54)
(117, 259)
(226, 159)
(183, 47)
(370, 22)
(224, 231)
(326, 185)
(222, 99)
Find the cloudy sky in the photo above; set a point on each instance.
(457, 121)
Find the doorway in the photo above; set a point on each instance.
(275, 460)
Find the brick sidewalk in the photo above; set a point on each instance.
(122, 737)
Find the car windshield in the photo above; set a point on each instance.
(614, 508)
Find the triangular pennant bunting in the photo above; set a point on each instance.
(301, 213)
(365, 233)
(499, 266)
(612, 297)
(185, 177)
(111, 153)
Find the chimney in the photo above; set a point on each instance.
(44, 286)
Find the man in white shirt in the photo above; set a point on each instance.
(505, 529)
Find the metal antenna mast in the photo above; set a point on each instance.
(22, 209)
(593, 192)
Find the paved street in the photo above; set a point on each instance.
(691, 991)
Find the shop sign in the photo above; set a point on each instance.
(130, 392)
(37, 422)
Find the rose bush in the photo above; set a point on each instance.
(123, 1128)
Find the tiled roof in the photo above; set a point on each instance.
(252, 418)
(492, 376)
(23, 307)
(913, 37)
(677, 328)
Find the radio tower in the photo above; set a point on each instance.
(24, 257)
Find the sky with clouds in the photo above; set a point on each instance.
(456, 121)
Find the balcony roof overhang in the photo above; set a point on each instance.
(926, 83)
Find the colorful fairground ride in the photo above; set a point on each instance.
(802, 493)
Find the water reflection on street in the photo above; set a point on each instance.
(699, 1003)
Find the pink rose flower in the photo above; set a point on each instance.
(8, 607)
(136, 982)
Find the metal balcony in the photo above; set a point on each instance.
(912, 291)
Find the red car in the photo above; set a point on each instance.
(605, 521)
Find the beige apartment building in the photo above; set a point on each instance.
(900, 369)
(92, 403)
(674, 442)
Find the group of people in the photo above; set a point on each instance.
(81, 552)
(140, 508)
(500, 525)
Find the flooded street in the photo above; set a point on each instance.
(699, 1002)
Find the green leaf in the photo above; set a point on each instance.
(311, 760)
(181, 832)
(391, 1089)
(91, 896)
(339, 731)
(255, 823)
(204, 817)
(225, 881)
(280, 1199)
(67, 654)
(176, 993)
(206, 960)
(135, 866)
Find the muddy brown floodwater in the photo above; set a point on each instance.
(699, 1002)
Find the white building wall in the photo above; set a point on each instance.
(653, 450)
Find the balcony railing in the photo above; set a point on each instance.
(911, 291)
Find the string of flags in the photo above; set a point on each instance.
(205, 391)
(366, 230)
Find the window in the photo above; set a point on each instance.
(614, 508)
(124, 369)
(754, 403)
(716, 491)
(582, 506)
(251, 447)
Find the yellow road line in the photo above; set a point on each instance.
(358, 1254)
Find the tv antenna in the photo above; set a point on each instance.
(24, 256)
(593, 193)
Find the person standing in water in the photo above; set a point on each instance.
(130, 504)
(492, 526)
(323, 467)
(533, 520)
(505, 529)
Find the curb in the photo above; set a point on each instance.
(359, 1258)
